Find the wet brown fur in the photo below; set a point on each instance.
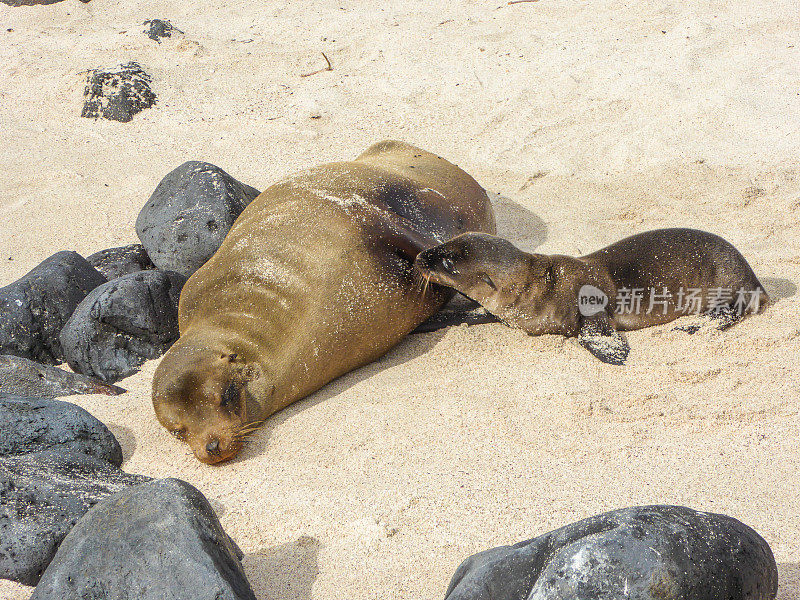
(539, 293)
(314, 279)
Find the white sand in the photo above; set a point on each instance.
(587, 121)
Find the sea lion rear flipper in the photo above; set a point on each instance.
(725, 317)
(599, 337)
(720, 319)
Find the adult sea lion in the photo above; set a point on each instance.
(646, 279)
(314, 279)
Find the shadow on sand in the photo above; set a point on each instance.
(778, 288)
(126, 439)
(788, 581)
(285, 572)
(410, 348)
(518, 224)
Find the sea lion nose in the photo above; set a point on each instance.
(212, 447)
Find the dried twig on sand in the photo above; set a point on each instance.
(328, 68)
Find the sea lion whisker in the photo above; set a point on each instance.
(419, 280)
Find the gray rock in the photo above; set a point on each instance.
(23, 377)
(117, 93)
(34, 309)
(159, 28)
(123, 323)
(641, 553)
(116, 262)
(38, 424)
(42, 495)
(155, 541)
(189, 214)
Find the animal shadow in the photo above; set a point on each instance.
(285, 572)
(788, 581)
(778, 288)
(517, 224)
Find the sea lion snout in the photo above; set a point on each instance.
(216, 447)
(204, 399)
(437, 265)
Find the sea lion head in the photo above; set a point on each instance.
(205, 396)
(485, 268)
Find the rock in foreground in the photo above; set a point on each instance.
(38, 424)
(123, 323)
(34, 309)
(158, 540)
(189, 214)
(42, 495)
(642, 553)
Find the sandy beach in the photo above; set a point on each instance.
(585, 122)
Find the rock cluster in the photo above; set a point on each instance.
(56, 462)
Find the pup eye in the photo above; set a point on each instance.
(179, 433)
(447, 264)
(488, 281)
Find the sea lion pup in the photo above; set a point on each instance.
(314, 279)
(646, 279)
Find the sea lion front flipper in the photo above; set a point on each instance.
(599, 337)
(396, 232)
(456, 316)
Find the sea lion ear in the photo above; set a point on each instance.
(252, 372)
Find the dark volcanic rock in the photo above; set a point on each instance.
(123, 323)
(116, 262)
(157, 540)
(37, 424)
(189, 214)
(642, 553)
(118, 93)
(34, 309)
(159, 29)
(24, 377)
(42, 495)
